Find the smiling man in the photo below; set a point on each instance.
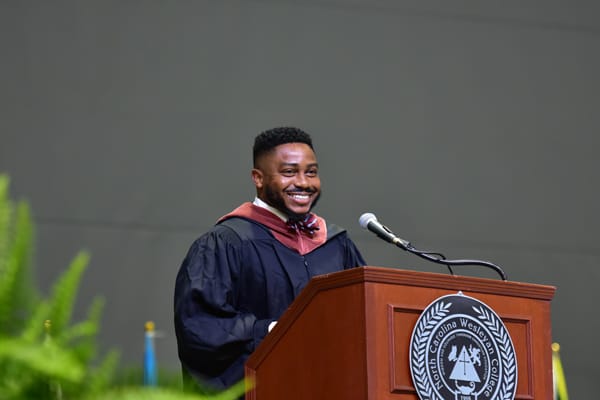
(238, 278)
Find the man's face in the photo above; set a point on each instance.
(287, 178)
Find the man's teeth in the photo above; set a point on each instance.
(300, 196)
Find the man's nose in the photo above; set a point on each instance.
(301, 180)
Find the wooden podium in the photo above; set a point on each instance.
(347, 335)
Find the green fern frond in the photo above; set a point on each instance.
(15, 382)
(35, 362)
(46, 359)
(102, 376)
(157, 393)
(35, 325)
(64, 293)
(87, 328)
(56, 363)
(81, 337)
(80, 330)
(25, 295)
(137, 393)
(5, 216)
(17, 292)
(8, 279)
(8, 268)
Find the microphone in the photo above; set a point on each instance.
(369, 221)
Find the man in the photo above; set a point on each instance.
(238, 278)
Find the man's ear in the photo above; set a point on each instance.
(257, 177)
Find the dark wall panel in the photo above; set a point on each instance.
(467, 127)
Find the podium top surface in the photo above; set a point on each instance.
(396, 276)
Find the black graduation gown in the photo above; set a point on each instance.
(235, 280)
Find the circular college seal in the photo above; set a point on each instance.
(461, 350)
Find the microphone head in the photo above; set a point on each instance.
(365, 219)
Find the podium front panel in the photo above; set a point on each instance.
(348, 334)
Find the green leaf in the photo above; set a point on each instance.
(46, 359)
(35, 326)
(157, 393)
(17, 292)
(82, 336)
(101, 377)
(5, 216)
(64, 293)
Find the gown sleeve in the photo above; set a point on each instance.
(353, 256)
(214, 337)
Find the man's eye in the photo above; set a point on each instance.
(288, 172)
(312, 172)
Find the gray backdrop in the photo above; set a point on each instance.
(468, 127)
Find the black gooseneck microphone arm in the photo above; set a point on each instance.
(369, 221)
(440, 259)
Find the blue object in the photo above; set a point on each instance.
(149, 356)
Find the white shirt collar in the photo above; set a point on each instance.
(258, 202)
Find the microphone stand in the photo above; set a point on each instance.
(440, 259)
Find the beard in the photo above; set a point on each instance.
(275, 199)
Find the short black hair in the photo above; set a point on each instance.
(269, 139)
